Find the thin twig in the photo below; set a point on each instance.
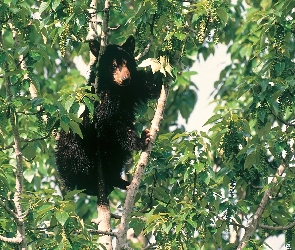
(95, 231)
(232, 223)
(115, 216)
(284, 122)
(8, 210)
(115, 28)
(26, 140)
(145, 51)
(151, 246)
(291, 225)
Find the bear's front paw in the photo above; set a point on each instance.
(145, 137)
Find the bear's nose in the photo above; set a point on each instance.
(125, 81)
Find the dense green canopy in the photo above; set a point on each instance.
(200, 190)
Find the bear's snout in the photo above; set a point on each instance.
(121, 73)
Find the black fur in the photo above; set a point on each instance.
(109, 140)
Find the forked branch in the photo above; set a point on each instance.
(143, 160)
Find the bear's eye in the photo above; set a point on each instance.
(114, 66)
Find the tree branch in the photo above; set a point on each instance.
(14, 240)
(92, 35)
(20, 235)
(94, 231)
(105, 27)
(26, 140)
(8, 210)
(283, 121)
(143, 160)
(257, 215)
(18, 182)
(146, 50)
(277, 227)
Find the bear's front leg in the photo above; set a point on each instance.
(145, 138)
(129, 140)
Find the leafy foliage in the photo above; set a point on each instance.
(200, 188)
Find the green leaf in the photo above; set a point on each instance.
(250, 160)
(266, 4)
(75, 118)
(3, 181)
(64, 126)
(43, 210)
(222, 14)
(199, 167)
(213, 119)
(61, 217)
(261, 114)
(70, 17)
(153, 218)
(35, 81)
(161, 194)
(37, 102)
(205, 177)
(280, 146)
(266, 129)
(35, 55)
(279, 68)
(69, 206)
(137, 225)
(29, 151)
(180, 36)
(72, 193)
(69, 103)
(22, 50)
(29, 175)
(243, 208)
(42, 145)
(42, 51)
(2, 57)
(65, 119)
(55, 4)
(76, 128)
(43, 6)
(89, 104)
(178, 228)
(246, 50)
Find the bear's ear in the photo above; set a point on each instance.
(94, 46)
(129, 45)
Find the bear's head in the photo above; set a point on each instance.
(116, 65)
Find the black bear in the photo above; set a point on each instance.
(109, 138)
